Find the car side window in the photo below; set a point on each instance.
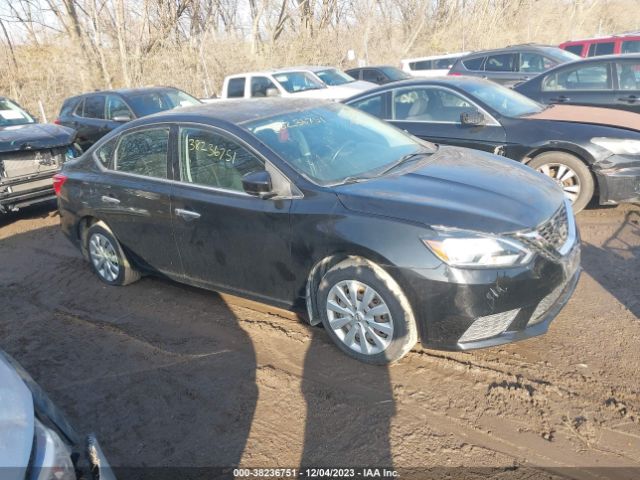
(630, 46)
(143, 152)
(429, 105)
(443, 63)
(116, 107)
(474, 64)
(260, 85)
(603, 48)
(628, 75)
(371, 105)
(213, 160)
(104, 153)
(577, 49)
(535, 63)
(589, 77)
(94, 107)
(421, 65)
(371, 75)
(505, 62)
(235, 88)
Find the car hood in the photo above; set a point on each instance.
(34, 136)
(607, 117)
(460, 188)
(16, 422)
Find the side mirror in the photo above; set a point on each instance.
(258, 184)
(272, 92)
(472, 119)
(122, 118)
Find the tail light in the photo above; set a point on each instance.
(455, 74)
(58, 182)
(57, 121)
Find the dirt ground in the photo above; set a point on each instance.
(168, 375)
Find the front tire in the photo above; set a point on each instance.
(571, 173)
(365, 312)
(107, 258)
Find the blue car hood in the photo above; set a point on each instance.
(34, 136)
(460, 188)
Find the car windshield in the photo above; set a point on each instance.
(505, 101)
(12, 114)
(294, 82)
(147, 103)
(395, 73)
(333, 143)
(334, 77)
(565, 56)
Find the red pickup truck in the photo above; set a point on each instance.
(614, 44)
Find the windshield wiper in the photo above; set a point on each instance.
(403, 160)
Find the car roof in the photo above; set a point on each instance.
(456, 81)
(124, 91)
(310, 68)
(374, 66)
(269, 72)
(630, 35)
(435, 57)
(235, 111)
(510, 48)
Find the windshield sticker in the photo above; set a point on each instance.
(11, 115)
(212, 150)
(303, 122)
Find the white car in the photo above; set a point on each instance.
(434, 66)
(342, 84)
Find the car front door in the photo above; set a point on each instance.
(228, 239)
(589, 84)
(435, 114)
(117, 112)
(132, 196)
(502, 68)
(627, 93)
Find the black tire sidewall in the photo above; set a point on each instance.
(578, 166)
(404, 328)
(119, 280)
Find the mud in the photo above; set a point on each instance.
(168, 375)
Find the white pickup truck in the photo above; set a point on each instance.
(302, 82)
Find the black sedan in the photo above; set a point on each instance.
(312, 205)
(611, 81)
(30, 154)
(95, 114)
(585, 150)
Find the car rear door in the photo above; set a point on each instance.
(434, 113)
(588, 84)
(227, 238)
(89, 120)
(132, 195)
(627, 84)
(502, 68)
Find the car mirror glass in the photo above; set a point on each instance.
(272, 92)
(258, 184)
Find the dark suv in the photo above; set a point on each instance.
(95, 114)
(511, 65)
(380, 74)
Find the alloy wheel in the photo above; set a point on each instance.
(104, 257)
(563, 176)
(359, 317)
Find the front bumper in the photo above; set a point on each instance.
(21, 192)
(618, 179)
(467, 309)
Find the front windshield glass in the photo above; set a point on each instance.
(505, 101)
(294, 82)
(333, 143)
(395, 73)
(565, 56)
(334, 77)
(155, 101)
(12, 114)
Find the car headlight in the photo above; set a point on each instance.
(618, 146)
(472, 250)
(52, 459)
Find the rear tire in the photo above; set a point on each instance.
(107, 258)
(571, 173)
(365, 312)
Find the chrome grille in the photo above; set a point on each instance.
(489, 326)
(555, 231)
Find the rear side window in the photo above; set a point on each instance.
(372, 76)
(372, 105)
(143, 152)
(235, 88)
(629, 75)
(631, 46)
(104, 153)
(504, 62)
(591, 77)
(473, 63)
(444, 63)
(605, 48)
(535, 63)
(577, 49)
(210, 159)
(94, 107)
(422, 65)
(69, 106)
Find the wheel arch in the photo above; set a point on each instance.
(564, 147)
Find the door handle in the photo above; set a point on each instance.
(187, 215)
(108, 199)
(560, 99)
(629, 98)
